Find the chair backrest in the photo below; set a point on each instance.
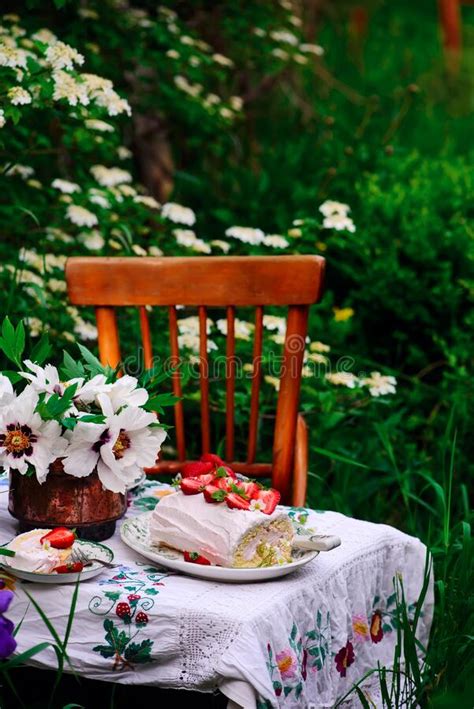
(227, 282)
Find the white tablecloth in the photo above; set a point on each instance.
(300, 641)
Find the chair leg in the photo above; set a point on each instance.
(300, 473)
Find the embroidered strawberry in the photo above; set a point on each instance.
(237, 502)
(192, 486)
(192, 470)
(71, 568)
(270, 498)
(123, 610)
(133, 597)
(212, 493)
(141, 618)
(211, 458)
(59, 538)
(195, 558)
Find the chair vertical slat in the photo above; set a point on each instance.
(108, 335)
(146, 338)
(176, 381)
(287, 408)
(204, 381)
(230, 384)
(256, 376)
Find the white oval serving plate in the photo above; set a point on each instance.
(135, 533)
(90, 549)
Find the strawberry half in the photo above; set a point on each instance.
(236, 502)
(72, 568)
(211, 458)
(270, 498)
(224, 483)
(192, 470)
(59, 538)
(212, 493)
(251, 489)
(193, 486)
(196, 558)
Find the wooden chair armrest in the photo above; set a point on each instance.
(300, 473)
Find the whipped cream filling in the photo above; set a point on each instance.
(189, 523)
(31, 555)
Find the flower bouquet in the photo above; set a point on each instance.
(73, 438)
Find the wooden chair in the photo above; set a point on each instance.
(226, 282)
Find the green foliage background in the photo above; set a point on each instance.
(378, 123)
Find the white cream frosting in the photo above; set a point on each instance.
(31, 555)
(189, 523)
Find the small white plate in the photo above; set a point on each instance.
(90, 549)
(135, 534)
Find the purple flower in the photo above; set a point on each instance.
(7, 641)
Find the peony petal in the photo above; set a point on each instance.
(80, 461)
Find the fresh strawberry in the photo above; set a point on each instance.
(71, 568)
(195, 558)
(224, 483)
(229, 471)
(236, 502)
(270, 498)
(211, 458)
(59, 538)
(251, 489)
(192, 486)
(192, 470)
(212, 493)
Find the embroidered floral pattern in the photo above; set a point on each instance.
(128, 597)
(344, 658)
(318, 641)
(287, 667)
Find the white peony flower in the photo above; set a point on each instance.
(26, 440)
(380, 384)
(19, 96)
(246, 234)
(178, 214)
(65, 186)
(6, 391)
(119, 448)
(126, 392)
(81, 216)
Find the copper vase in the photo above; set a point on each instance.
(65, 501)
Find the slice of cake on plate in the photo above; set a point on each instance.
(216, 519)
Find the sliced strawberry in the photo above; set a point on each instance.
(236, 502)
(192, 470)
(212, 493)
(211, 458)
(71, 568)
(196, 558)
(224, 483)
(270, 498)
(229, 471)
(192, 486)
(59, 538)
(251, 489)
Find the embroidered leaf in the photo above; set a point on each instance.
(151, 591)
(391, 599)
(112, 595)
(105, 650)
(294, 630)
(108, 625)
(319, 618)
(386, 628)
(314, 651)
(376, 600)
(139, 652)
(299, 689)
(277, 686)
(287, 690)
(312, 634)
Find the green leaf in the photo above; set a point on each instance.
(42, 350)
(94, 366)
(6, 552)
(139, 652)
(70, 368)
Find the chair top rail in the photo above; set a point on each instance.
(214, 281)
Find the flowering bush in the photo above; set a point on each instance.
(81, 414)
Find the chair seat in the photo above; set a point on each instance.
(298, 641)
